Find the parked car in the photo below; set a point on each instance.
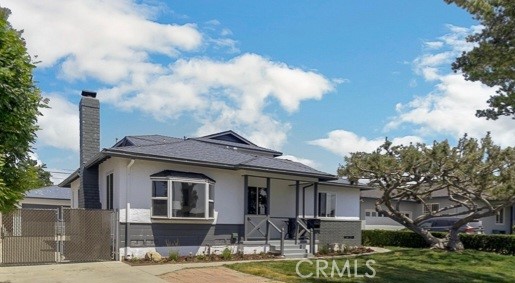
(444, 224)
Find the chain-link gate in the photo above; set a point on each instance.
(32, 236)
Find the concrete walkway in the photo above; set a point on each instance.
(213, 274)
(92, 272)
(112, 271)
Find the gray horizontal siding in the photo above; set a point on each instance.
(168, 234)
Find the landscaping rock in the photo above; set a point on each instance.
(153, 256)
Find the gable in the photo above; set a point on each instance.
(229, 136)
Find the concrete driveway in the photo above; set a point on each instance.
(93, 272)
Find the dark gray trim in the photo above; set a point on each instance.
(66, 183)
(315, 200)
(268, 197)
(170, 235)
(297, 188)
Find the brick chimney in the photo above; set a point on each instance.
(89, 111)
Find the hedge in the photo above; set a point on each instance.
(503, 244)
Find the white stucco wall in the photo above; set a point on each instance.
(347, 201)
(228, 188)
(133, 186)
(74, 186)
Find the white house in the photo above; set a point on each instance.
(194, 195)
(502, 223)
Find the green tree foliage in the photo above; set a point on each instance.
(19, 102)
(477, 177)
(492, 60)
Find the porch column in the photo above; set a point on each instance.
(245, 204)
(297, 191)
(245, 194)
(268, 197)
(315, 200)
(303, 202)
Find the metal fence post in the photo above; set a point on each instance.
(282, 241)
(312, 241)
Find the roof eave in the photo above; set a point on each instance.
(66, 183)
(109, 152)
(321, 177)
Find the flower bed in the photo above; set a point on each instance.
(338, 250)
(226, 255)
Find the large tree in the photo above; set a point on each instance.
(477, 176)
(19, 102)
(492, 60)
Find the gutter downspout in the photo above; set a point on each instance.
(127, 205)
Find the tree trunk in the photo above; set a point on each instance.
(453, 242)
(433, 242)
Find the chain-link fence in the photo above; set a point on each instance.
(31, 236)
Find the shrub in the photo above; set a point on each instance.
(173, 256)
(323, 249)
(226, 254)
(406, 239)
(503, 244)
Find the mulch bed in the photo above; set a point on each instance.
(202, 258)
(239, 257)
(353, 251)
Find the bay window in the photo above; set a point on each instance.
(182, 198)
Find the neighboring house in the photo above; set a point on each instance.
(50, 197)
(498, 224)
(195, 194)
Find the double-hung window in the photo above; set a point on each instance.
(326, 204)
(182, 198)
(434, 207)
(499, 217)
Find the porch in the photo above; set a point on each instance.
(277, 213)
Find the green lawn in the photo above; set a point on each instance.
(400, 265)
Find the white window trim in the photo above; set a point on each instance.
(430, 205)
(169, 199)
(385, 216)
(335, 204)
(497, 216)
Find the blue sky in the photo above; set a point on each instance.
(313, 79)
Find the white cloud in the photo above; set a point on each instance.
(224, 94)
(343, 142)
(105, 40)
(305, 161)
(450, 108)
(433, 44)
(114, 43)
(59, 124)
